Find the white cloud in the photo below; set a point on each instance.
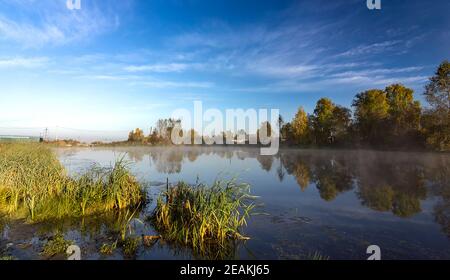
(158, 68)
(370, 48)
(48, 22)
(23, 62)
(107, 77)
(170, 84)
(377, 80)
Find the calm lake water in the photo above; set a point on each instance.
(335, 203)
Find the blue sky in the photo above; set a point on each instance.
(119, 64)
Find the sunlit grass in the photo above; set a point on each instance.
(203, 217)
(34, 185)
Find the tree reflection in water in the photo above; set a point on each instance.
(395, 182)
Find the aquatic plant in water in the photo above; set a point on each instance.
(7, 258)
(56, 245)
(203, 217)
(317, 256)
(130, 246)
(108, 249)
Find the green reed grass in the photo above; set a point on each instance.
(203, 217)
(317, 256)
(34, 185)
(56, 245)
(130, 246)
(108, 249)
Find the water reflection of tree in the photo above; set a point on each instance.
(298, 167)
(136, 155)
(168, 161)
(392, 182)
(394, 186)
(439, 172)
(265, 162)
(332, 178)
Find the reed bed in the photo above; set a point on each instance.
(34, 185)
(203, 217)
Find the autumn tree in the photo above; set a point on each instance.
(437, 117)
(136, 135)
(164, 128)
(299, 127)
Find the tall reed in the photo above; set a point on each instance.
(201, 216)
(34, 185)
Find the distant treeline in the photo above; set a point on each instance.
(389, 118)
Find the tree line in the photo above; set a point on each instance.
(381, 118)
(389, 118)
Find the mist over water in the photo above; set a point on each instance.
(336, 202)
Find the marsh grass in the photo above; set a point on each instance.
(317, 256)
(34, 185)
(7, 258)
(130, 246)
(206, 219)
(56, 245)
(108, 249)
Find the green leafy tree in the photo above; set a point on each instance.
(265, 133)
(437, 117)
(404, 113)
(323, 121)
(286, 133)
(340, 124)
(371, 114)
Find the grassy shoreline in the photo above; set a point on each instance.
(35, 186)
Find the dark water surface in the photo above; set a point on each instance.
(335, 203)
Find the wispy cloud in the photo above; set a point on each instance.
(48, 22)
(23, 62)
(171, 84)
(158, 68)
(378, 80)
(370, 48)
(106, 77)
